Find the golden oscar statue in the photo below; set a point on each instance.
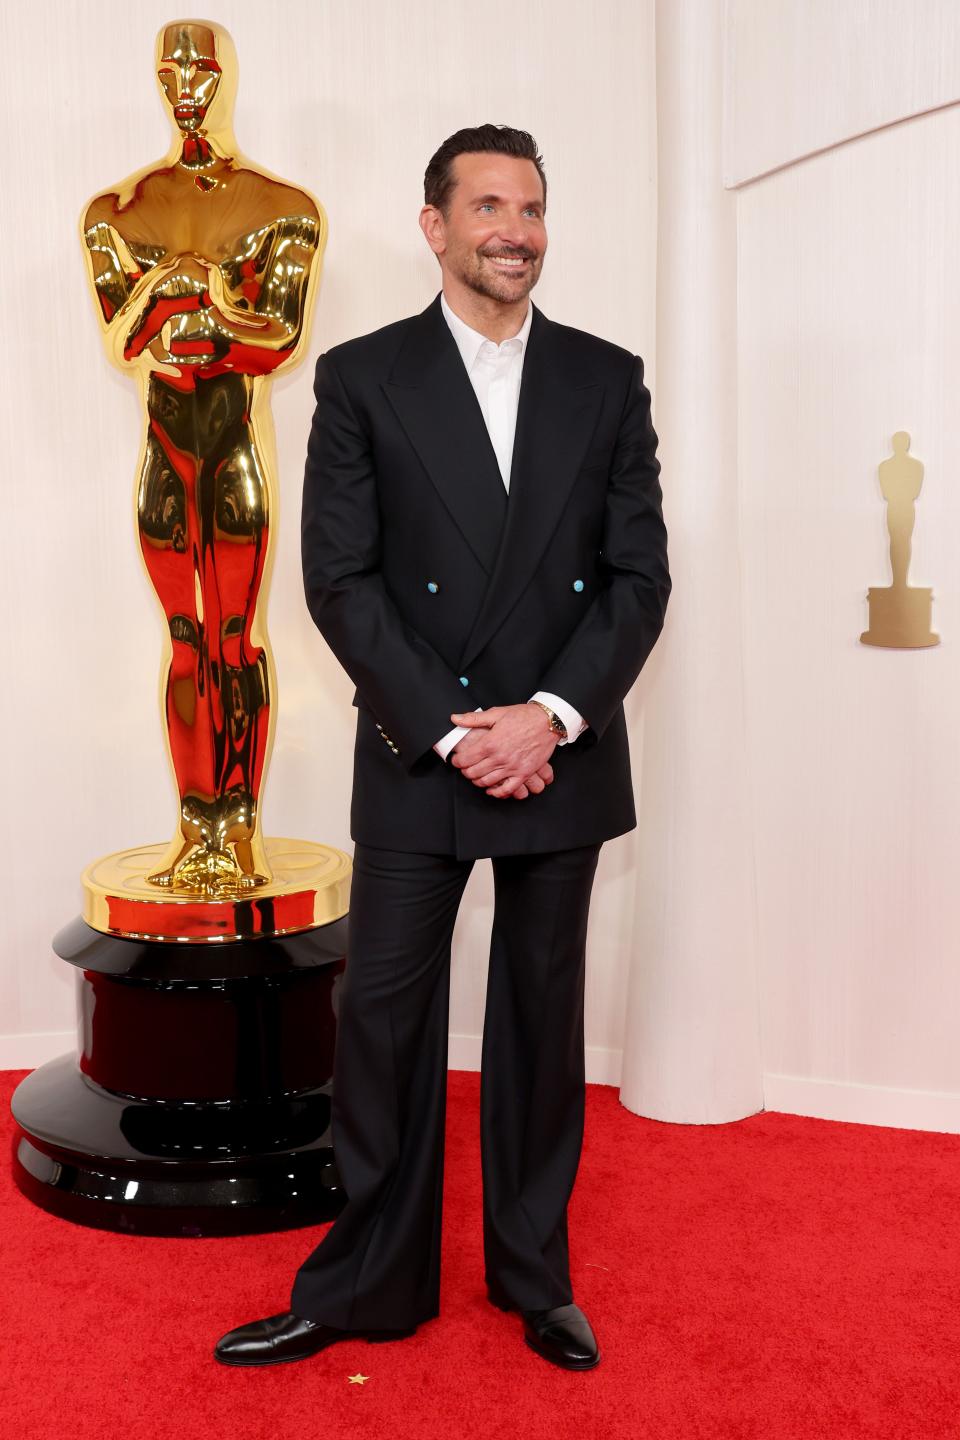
(204, 270)
(201, 1100)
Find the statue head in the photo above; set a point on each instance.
(197, 71)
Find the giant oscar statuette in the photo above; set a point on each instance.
(207, 965)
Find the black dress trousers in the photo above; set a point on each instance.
(378, 1266)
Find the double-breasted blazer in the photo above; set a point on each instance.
(439, 592)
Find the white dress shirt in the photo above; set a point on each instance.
(494, 371)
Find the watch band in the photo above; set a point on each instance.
(556, 724)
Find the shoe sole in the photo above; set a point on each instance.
(375, 1337)
(281, 1359)
(562, 1364)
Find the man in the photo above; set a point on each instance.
(484, 552)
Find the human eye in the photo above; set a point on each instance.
(485, 205)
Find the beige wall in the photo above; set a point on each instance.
(349, 99)
(848, 296)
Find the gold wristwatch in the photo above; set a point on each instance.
(556, 724)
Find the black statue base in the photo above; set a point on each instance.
(200, 1101)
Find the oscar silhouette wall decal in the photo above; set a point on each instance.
(900, 614)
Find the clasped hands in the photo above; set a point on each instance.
(508, 750)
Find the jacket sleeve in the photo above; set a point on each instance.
(605, 653)
(408, 686)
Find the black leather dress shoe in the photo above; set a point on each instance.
(562, 1335)
(288, 1337)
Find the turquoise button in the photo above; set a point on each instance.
(578, 586)
(464, 680)
(432, 586)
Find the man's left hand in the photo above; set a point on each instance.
(508, 743)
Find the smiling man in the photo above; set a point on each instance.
(484, 552)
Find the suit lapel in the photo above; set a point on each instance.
(432, 397)
(558, 409)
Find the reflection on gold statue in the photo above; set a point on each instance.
(900, 613)
(204, 270)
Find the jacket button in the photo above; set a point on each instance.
(464, 680)
(432, 586)
(578, 586)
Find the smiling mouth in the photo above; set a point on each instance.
(508, 262)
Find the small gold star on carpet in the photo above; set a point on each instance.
(357, 1379)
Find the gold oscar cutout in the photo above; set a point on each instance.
(205, 269)
(900, 614)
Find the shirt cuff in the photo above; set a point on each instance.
(444, 746)
(446, 743)
(572, 719)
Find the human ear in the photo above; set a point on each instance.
(431, 223)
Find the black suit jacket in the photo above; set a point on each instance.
(402, 492)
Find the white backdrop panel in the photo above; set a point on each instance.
(848, 290)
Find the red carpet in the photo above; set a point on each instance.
(776, 1279)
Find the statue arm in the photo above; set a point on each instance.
(259, 297)
(112, 269)
(126, 279)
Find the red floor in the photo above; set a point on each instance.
(777, 1279)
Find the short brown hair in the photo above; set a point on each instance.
(438, 179)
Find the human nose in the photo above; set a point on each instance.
(515, 232)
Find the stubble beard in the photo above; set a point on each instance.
(497, 287)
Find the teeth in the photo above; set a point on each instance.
(507, 259)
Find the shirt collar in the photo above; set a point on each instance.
(470, 342)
